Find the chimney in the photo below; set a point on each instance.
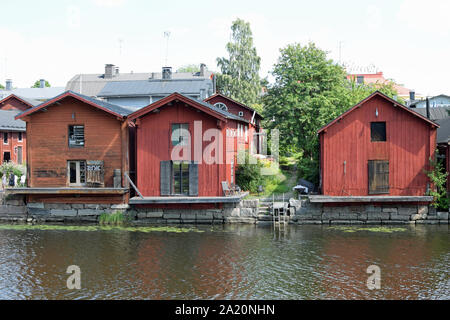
(428, 108)
(412, 95)
(167, 73)
(42, 83)
(109, 71)
(8, 84)
(202, 69)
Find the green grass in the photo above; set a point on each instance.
(370, 229)
(97, 228)
(278, 183)
(116, 218)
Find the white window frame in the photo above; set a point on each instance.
(84, 136)
(78, 182)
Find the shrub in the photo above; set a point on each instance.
(116, 218)
(438, 179)
(248, 174)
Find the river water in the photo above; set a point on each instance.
(226, 262)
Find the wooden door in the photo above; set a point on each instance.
(378, 177)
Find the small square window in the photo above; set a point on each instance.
(180, 134)
(5, 137)
(378, 131)
(76, 136)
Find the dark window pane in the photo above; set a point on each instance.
(185, 178)
(5, 137)
(378, 131)
(73, 172)
(176, 178)
(76, 136)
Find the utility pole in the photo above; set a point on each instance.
(167, 37)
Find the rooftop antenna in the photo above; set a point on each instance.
(167, 37)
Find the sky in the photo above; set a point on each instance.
(408, 40)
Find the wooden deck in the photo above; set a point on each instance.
(193, 200)
(70, 191)
(368, 199)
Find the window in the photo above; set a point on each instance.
(359, 79)
(76, 136)
(76, 173)
(5, 137)
(179, 178)
(20, 137)
(221, 106)
(378, 131)
(6, 156)
(180, 134)
(241, 113)
(378, 177)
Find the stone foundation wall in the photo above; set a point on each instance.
(304, 212)
(14, 209)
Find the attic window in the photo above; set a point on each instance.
(378, 131)
(76, 136)
(241, 113)
(221, 106)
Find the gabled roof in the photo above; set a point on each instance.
(377, 93)
(234, 101)
(113, 109)
(201, 105)
(436, 113)
(155, 87)
(443, 133)
(415, 102)
(41, 94)
(8, 122)
(29, 102)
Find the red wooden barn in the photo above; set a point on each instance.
(378, 147)
(251, 115)
(186, 147)
(13, 132)
(77, 148)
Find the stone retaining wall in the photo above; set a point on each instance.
(14, 209)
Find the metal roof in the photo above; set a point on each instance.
(93, 84)
(436, 113)
(33, 93)
(154, 87)
(8, 123)
(443, 133)
(102, 104)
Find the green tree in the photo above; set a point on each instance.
(308, 92)
(37, 84)
(2, 87)
(192, 68)
(239, 77)
(438, 179)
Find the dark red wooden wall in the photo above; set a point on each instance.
(410, 143)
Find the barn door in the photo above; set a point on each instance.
(378, 177)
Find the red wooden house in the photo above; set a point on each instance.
(186, 147)
(255, 132)
(13, 132)
(378, 147)
(77, 151)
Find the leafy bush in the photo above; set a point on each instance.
(248, 174)
(9, 167)
(116, 218)
(438, 178)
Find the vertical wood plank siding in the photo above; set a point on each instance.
(410, 143)
(154, 145)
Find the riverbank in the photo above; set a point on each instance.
(246, 211)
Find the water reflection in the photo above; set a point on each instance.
(231, 262)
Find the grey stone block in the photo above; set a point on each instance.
(155, 214)
(390, 210)
(204, 216)
(341, 222)
(393, 222)
(407, 210)
(77, 206)
(205, 221)
(38, 212)
(400, 217)
(173, 221)
(89, 212)
(432, 211)
(120, 206)
(371, 209)
(378, 215)
(443, 221)
(422, 210)
(218, 215)
(417, 216)
(187, 221)
(188, 216)
(57, 206)
(348, 216)
(7, 209)
(15, 202)
(171, 216)
(442, 215)
(35, 205)
(247, 212)
(63, 213)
